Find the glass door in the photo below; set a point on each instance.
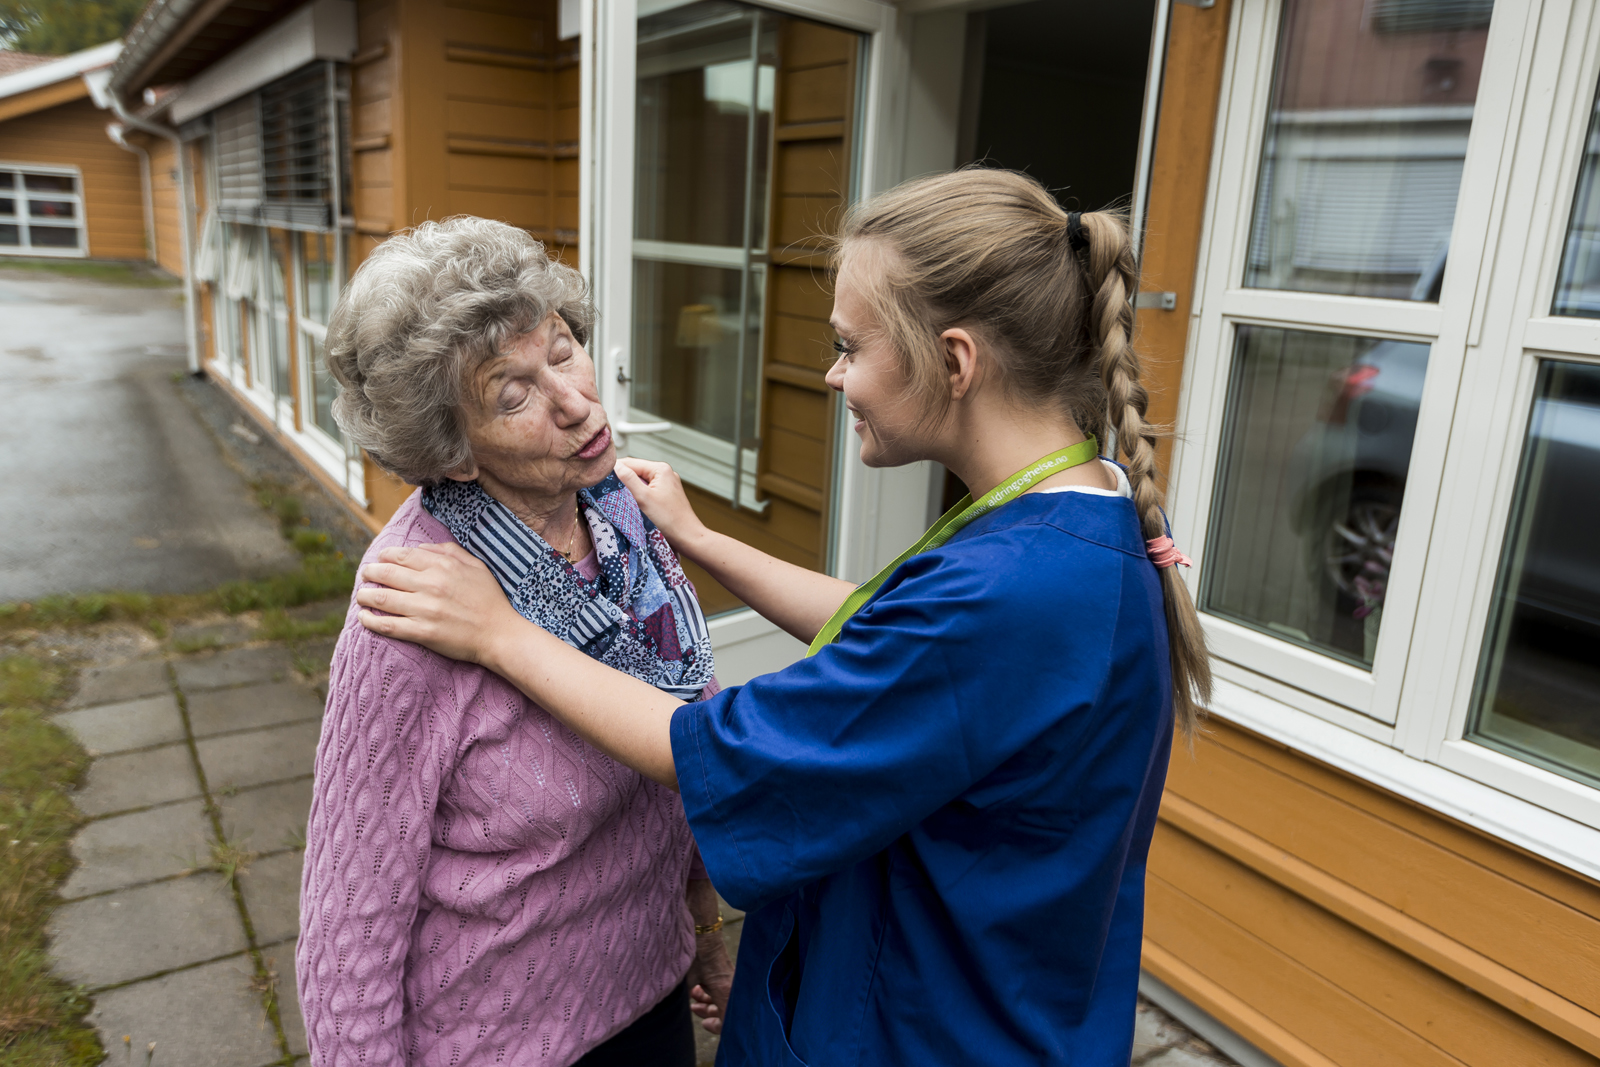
(705, 79)
(721, 143)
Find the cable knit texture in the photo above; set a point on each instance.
(480, 885)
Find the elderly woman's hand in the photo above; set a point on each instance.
(440, 597)
(659, 491)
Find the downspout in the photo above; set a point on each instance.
(185, 218)
(116, 132)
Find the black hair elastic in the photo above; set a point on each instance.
(1077, 239)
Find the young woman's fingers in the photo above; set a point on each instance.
(394, 575)
(396, 626)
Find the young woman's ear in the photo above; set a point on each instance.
(961, 361)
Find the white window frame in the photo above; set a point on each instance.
(24, 223)
(335, 457)
(1403, 726)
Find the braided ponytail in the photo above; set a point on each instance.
(1113, 279)
(1053, 297)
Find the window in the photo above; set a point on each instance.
(1317, 442)
(41, 211)
(319, 287)
(706, 76)
(1389, 467)
(1365, 140)
(1538, 692)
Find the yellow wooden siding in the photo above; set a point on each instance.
(165, 198)
(1369, 929)
(461, 107)
(74, 134)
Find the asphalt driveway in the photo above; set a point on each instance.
(107, 478)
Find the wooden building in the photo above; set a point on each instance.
(65, 189)
(1370, 266)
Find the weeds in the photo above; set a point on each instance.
(202, 643)
(229, 859)
(277, 626)
(40, 1016)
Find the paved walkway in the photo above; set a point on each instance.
(198, 757)
(202, 759)
(111, 482)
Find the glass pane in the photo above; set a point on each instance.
(317, 298)
(49, 183)
(7, 179)
(53, 236)
(8, 206)
(1538, 694)
(52, 209)
(703, 111)
(323, 388)
(686, 344)
(278, 318)
(1316, 443)
(1578, 288)
(10, 234)
(1366, 135)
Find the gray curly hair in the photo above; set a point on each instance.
(425, 310)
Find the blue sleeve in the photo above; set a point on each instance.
(967, 655)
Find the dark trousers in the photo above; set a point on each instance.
(661, 1037)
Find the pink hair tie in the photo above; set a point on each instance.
(1163, 553)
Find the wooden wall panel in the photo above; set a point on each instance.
(74, 134)
(166, 199)
(462, 107)
(1293, 899)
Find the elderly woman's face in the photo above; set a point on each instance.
(533, 417)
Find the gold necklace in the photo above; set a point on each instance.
(572, 541)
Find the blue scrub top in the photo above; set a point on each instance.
(938, 824)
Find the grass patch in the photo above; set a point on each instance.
(320, 576)
(41, 1017)
(117, 273)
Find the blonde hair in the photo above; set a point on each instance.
(991, 251)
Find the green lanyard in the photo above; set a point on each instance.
(953, 520)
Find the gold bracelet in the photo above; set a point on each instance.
(710, 928)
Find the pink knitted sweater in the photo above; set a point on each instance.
(480, 885)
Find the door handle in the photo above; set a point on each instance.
(623, 426)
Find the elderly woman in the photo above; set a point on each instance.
(481, 886)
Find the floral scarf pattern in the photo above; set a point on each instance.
(639, 615)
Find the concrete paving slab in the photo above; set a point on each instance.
(146, 930)
(126, 850)
(240, 666)
(130, 724)
(260, 756)
(248, 707)
(271, 889)
(294, 1023)
(207, 1016)
(137, 780)
(268, 817)
(125, 681)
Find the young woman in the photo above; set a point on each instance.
(937, 821)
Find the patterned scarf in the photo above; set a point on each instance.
(638, 615)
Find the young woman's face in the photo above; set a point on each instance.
(888, 422)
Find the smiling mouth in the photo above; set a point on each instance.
(596, 444)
